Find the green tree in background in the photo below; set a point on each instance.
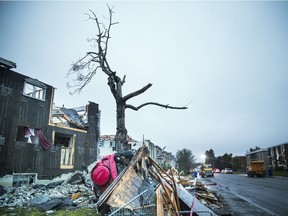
(227, 160)
(218, 163)
(224, 161)
(254, 149)
(209, 157)
(185, 160)
(238, 165)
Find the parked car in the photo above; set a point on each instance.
(227, 171)
(217, 170)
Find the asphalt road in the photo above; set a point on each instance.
(252, 196)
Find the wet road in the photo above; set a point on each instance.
(266, 195)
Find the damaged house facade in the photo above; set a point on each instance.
(107, 145)
(278, 156)
(36, 137)
(163, 158)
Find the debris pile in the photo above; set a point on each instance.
(73, 192)
(204, 195)
(142, 188)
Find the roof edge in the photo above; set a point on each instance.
(6, 63)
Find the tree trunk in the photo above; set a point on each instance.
(121, 131)
(85, 68)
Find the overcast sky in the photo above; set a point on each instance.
(227, 60)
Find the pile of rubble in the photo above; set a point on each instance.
(74, 192)
(207, 197)
(142, 188)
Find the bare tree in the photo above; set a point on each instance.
(85, 68)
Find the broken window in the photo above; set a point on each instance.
(28, 135)
(67, 149)
(33, 136)
(35, 89)
(112, 144)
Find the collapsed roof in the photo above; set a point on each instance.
(70, 117)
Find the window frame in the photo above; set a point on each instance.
(37, 89)
(67, 155)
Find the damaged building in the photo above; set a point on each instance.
(41, 141)
(37, 137)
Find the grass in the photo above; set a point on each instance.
(37, 212)
(274, 173)
(238, 172)
(280, 173)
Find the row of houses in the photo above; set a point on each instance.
(38, 137)
(274, 157)
(163, 158)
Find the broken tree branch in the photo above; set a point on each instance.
(86, 67)
(153, 103)
(138, 92)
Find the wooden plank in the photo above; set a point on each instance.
(106, 195)
(126, 190)
(166, 185)
(188, 199)
(159, 202)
